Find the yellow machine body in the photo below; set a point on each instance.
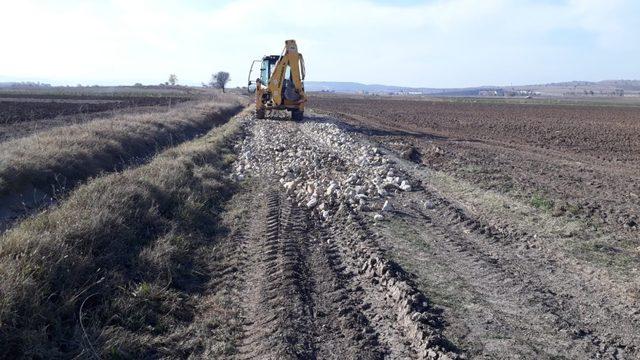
(280, 85)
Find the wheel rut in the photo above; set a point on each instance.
(296, 302)
(524, 292)
(311, 292)
(316, 283)
(277, 311)
(504, 296)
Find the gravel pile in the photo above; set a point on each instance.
(321, 167)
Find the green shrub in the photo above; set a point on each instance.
(541, 202)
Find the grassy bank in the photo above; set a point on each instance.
(59, 158)
(111, 271)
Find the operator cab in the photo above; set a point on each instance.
(267, 65)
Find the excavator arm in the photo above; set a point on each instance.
(289, 68)
(281, 86)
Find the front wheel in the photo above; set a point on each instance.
(297, 115)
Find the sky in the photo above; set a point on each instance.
(433, 43)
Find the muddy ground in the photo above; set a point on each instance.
(361, 236)
(397, 229)
(581, 161)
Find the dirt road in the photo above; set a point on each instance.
(311, 280)
(341, 249)
(305, 299)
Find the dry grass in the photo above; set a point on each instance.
(64, 156)
(111, 268)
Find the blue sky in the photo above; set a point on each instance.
(436, 43)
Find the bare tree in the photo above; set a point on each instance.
(173, 79)
(220, 79)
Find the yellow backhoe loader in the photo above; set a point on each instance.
(280, 85)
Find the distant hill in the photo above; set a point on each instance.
(354, 87)
(627, 85)
(605, 87)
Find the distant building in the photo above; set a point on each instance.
(491, 92)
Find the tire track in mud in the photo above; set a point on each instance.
(409, 326)
(296, 304)
(547, 296)
(310, 291)
(511, 296)
(277, 312)
(342, 330)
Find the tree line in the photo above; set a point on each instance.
(218, 80)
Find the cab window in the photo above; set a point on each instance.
(265, 71)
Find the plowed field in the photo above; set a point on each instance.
(580, 160)
(374, 229)
(535, 214)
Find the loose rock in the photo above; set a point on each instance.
(318, 163)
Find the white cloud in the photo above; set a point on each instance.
(437, 43)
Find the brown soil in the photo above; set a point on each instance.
(526, 223)
(303, 289)
(606, 132)
(584, 161)
(16, 109)
(515, 239)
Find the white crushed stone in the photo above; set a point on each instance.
(319, 165)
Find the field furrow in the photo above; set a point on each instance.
(37, 170)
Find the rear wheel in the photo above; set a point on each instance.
(260, 113)
(297, 115)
